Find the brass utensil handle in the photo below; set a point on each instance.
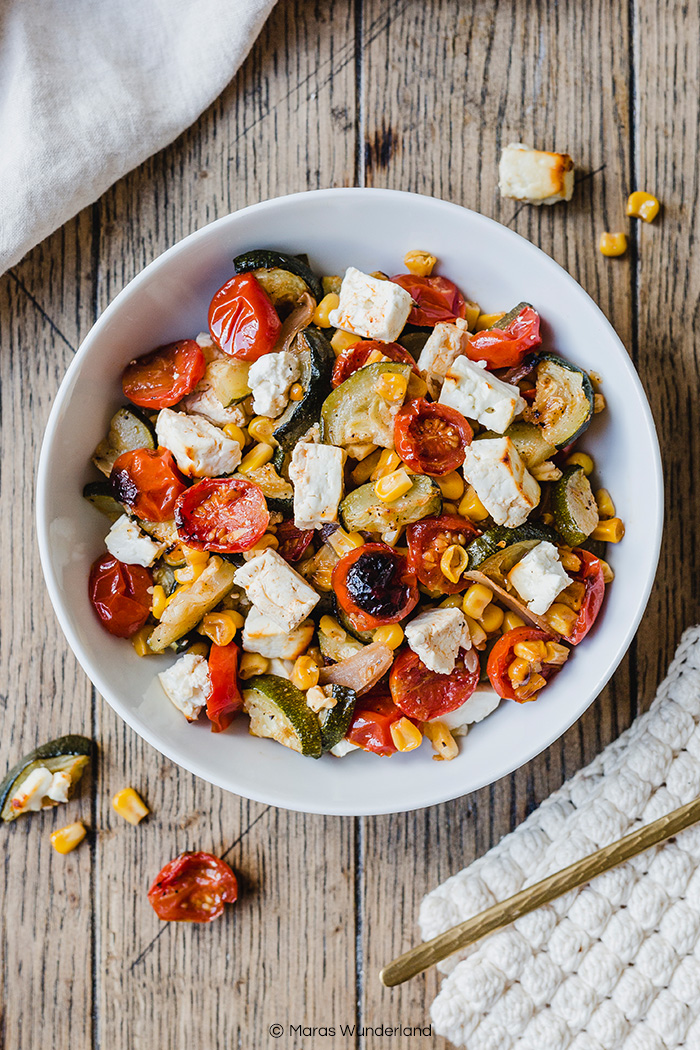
(499, 915)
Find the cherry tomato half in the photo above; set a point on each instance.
(160, 379)
(506, 347)
(428, 540)
(591, 575)
(293, 542)
(193, 888)
(228, 515)
(424, 694)
(242, 319)
(148, 482)
(431, 438)
(502, 656)
(355, 357)
(373, 717)
(224, 698)
(120, 595)
(374, 586)
(436, 299)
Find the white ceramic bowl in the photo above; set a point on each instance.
(370, 229)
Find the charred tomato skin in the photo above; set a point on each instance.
(374, 586)
(148, 482)
(193, 888)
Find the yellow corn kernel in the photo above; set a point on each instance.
(344, 340)
(174, 557)
(471, 506)
(296, 392)
(606, 507)
(476, 599)
(392, 536)
(66, 839)
(234, 433)
(583, 460)
(305, 672)
(268, 540)
(392, 387)
(598, 403)
(258, 456)
(405, 734)
(194, 556)
(477, 633)
(485, 321)
(380, 276)
(237, 618)
(573, 595)
(261, 429)
(534, 652)
(453, 562)
(472, 313)
(128, 804)
(392, 486)
(219, 627)
(569, 561)
(322, 311)
(492, 618)
(451, 486)
(511, 620)
(387, 463)
(519, 671)
(376, 357)
(159, 601)
(444, 744)
(643, 205)
(608, 574)
(449, 508)
(198, 649)
(331, 628)
(343, 542)
(140, 643)
(252, 664)
(420, 264)
(363, 471)
(530, 689)
(609, 531)
(189, 574)
(612, 244)
(561, 618)
(453, 601)
(390, 635)
(556, 654)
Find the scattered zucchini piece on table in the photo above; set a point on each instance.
(129, 429)
(563, 405)
(267, 259)
(362, 508)
(337, 719)
(278, 710)
(317, 359)
(355, 413)
(574, 506)
(67, 754)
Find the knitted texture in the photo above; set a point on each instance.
(616, 964)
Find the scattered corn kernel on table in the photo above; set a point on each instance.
(407, 95)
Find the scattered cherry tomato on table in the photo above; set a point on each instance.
(374, 586)
(193, 888)
(431, 438)
(423, 694)
(148, 482)
(242, 320)
(120, 595)
(163, 377)
(228, 515)
(437, 299)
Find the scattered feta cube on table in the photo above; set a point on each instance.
(503, 484)
(187, 684)
(270, 378)
(201, 450)
(535, 176)
(370, 307)
(539, 577)
(276, 589)
(262, 635)
(437, 635)
(478, 394)
(126, 542)
(316, 471)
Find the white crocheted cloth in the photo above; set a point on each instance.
(612, 966)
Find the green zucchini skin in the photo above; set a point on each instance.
(500, 537)
(267, 259)
(574, 506)
(570, 425)
(99, 493)
(362, 508)
(338, 719)
(354, 413)
(63, 747)
(509, 317)
(317, 361)
(129, 429)
(290, 709)
(346, 623)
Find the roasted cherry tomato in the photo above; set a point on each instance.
(160, 379)
(355, 357)
(242, 319)
(148, 482)
(120, 595)
(427, 542)
(374, 586)
(224, 698)
(431, 438)
(591, 575)
(506, 347)
(436, 299)
(193, 888)
(423, 694)
(293, 542)
(222, 514)
(502, 656)
(370, 728)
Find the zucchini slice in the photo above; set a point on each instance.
(228, 378)
(574, 507)
(278, 710)
(129, 429)
(273, 486)
(267, 259)
(337, 719)
(508, 318)
(366, 637)
(563, 405)
(337, 649)
(99, 493)
(497, 539)
(283, 287)
(68, 754)
(362, 508)
(354, 413)
(189, 604)
(316, 359)
(528, 440)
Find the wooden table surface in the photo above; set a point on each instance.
(417, 95)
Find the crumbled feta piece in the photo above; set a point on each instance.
(262, 635)
(276, 589)
(32, 792)
(316, 471)
(343, 748)
(59, 789)
(478, 394)
(481, 703)
(507, 490)
(270, 378)
(187, 684)
(204, 339)
(282, 668)
(201, 450)
(126, 542)
(534, 176)
(443, 345)
(370, 307)
(204, 402)
(437, 635)
(320, 698)
(539, 577)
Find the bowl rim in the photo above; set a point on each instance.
(655, 489)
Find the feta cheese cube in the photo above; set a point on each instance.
(443, 345)
(282, 668)
(187, 684)
(201, 450)
(502, 483)
(126, 542)
(262, 635)
(478, 394)
(276, 589)
(370, 307)
(534, 176)
(204, 402)
(316, 471)
(437, 635)
(481, 703)
(343, 748)
(270, 378)
(539, 577)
